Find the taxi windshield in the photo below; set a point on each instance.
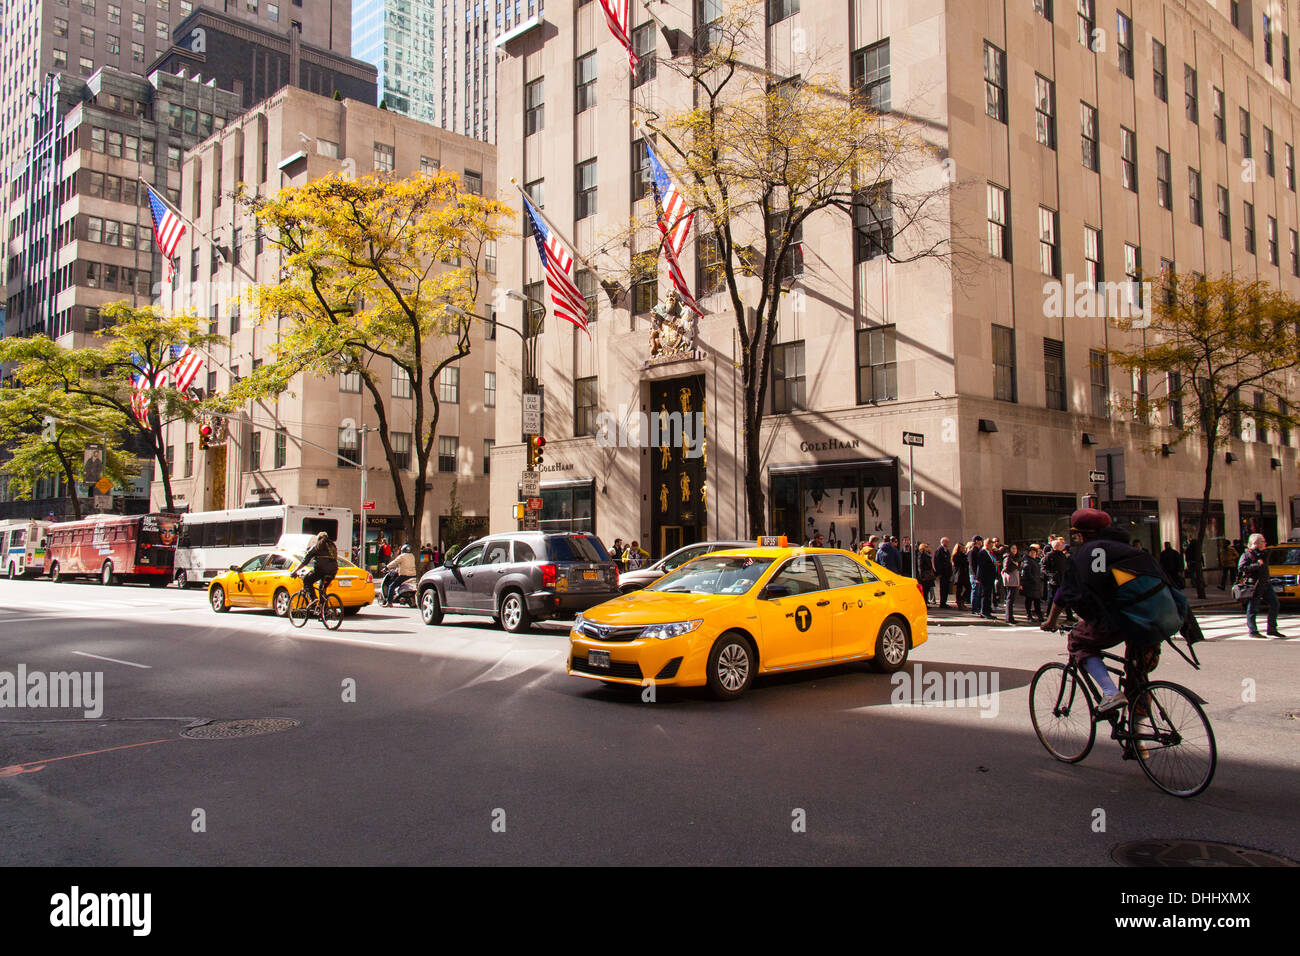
(714, 575)
(1284, 555)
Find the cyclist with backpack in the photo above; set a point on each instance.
(325, 565)
(1120, 594)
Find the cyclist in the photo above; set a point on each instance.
(1087, 587)
(325, 565)
(400, 569)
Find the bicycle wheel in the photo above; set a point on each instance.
(299, 609)
(1173, 739)
(331, 612)
(1062, 713)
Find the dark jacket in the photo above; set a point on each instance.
(925, 567)
(888, 557)
(1031, 577)
(986, 568)
(960, 566)
(1171, 562)
(1087, 592)
(325, 555)
(1054, 564)
(1253, 565)
(942, 563)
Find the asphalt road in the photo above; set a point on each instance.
(467, 745)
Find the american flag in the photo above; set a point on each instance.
(188, 365)
(674, 217)
(558, 262)
(617, 15)
(139, 397)
(167, 229)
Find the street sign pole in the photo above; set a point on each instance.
(911, 502)
(363, 498)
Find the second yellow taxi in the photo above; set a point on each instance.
(729, 616)
(268, 581)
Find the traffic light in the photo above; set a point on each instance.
(536, 445)
(205, 433)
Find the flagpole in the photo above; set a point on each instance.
(190, 224)
(576, 255)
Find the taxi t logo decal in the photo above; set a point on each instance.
(802, 618)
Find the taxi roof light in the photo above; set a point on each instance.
(774, 541)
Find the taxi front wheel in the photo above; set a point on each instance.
(892, 646)
(731, 666)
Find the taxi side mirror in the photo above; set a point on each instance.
(776, 591)
(234, 567)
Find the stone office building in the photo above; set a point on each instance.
(288, 450)
(1071, 159)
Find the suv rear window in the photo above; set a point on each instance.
(566, 547)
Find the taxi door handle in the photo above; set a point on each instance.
(880, 594)
(822, 603)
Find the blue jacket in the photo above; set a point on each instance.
(888, 557)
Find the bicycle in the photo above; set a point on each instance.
(330, 611)
(1163, 727)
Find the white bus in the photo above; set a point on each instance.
(211, 541)
(22, 547)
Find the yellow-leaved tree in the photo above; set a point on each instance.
(376, 271)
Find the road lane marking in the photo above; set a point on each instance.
(32, 766)
(114, 660)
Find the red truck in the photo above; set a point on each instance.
(114, 548)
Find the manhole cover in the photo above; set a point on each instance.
(1193, 853)
(251, 727)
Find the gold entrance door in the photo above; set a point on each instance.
(670, 538)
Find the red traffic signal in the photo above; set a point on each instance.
(205, 435)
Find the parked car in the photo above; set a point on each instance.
(270, 580)
(636, 580)
(520, 577)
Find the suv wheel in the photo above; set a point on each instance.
(430, 608)
(513, 613)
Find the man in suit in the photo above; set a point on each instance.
(984, 569)
(943, 569)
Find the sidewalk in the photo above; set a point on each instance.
(1215, 600)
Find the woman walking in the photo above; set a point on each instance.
(1011, 580)
(1031, 583)
(925, 571)
(960, 575)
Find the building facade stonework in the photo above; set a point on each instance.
(1098, 160)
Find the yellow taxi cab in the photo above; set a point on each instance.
(269, 580)
(1284, 569)
(728, 616)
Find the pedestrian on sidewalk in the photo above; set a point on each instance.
(985, 571)
(1229, 558)
(943, 570)
(925, 574)
(888, 557)
(961, 575)
(1171, 562)
(905, 559)
(1031, 583)
(1054, 565)
(1253, 566)
(1011, 580)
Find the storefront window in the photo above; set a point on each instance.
(1028, 517)
(1189, 513)
(845, 502)
(1139, 519)
(569, 506)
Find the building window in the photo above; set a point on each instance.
(788, 378)
(1100, 383)
(1164, 182)
(999, 241)
(1268, 39)
(1128, 159)
(1248, 225)
(1272, 241)
(584, 406)
(88, 36)
(710, 274)
(449, 385)
(1087, 20)
(189, 459)
(641, 174)
(1160, 70)
(327, 148)
(588, 286)
(995, 82)
(273, 12)
(1133, 274)
(1044, 9)
(488, 443)
(1045, 110)
(1244, 119)
(385, 158)
(1124, 40)
(402, 450)
(489, 389)
(401, 383)
(281, 449)
(1088, 133)
(1174, 389)
(870, 76)
(1220, 108)
(1295, 252)
(137, 22)
(255, 451)
(1286, 57)
(474, 185)
(87, 65)
(348, 448)
(645, 292)
(585, 94)
(1194, 196)
(447, 447)
(1270, 166)
(1225, 214)
(643, 44)
(429, 165)
(534, 106)
(350, 382)
(1054, 373)
(873, 223)
(137, 52)
(877, 364)
(1288, 154)
(1049, 250)
(1092, 258)
(1004, 363)
(585, 189)
(1191, 107)
(778, 10)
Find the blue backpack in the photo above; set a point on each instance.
(1145, 605)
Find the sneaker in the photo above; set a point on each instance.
(1113, 702)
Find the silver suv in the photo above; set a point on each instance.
(520, 577)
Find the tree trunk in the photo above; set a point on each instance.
(1199, 577)
(72, 483)
(160, 456)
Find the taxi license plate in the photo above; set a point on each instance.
(589, 575)
(345, 582)
(598, 658)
